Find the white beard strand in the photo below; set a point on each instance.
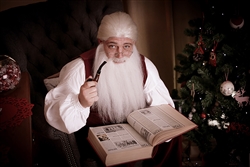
(120, 87)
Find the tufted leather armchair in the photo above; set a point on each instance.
(42, 37)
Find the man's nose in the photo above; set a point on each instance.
(119, 54)
(120, 49)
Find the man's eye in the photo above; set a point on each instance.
(112, 46)
(127, 46)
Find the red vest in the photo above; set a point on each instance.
(88, 58)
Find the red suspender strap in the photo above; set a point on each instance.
(88, 58)
(144, 69)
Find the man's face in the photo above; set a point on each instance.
(118, 48)
(120, 87)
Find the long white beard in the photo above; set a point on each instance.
(120, 86)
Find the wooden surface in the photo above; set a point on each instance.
(19, 138)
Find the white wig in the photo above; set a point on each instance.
(118, 24)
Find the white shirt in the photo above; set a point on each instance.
(63, 110)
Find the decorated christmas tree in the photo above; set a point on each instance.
(214, 74)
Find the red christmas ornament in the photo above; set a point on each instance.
(237, 22)
(10, 73)
(199, 52)
(212, 58)
(203, 115)
(183, 84)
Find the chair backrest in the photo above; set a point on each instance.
(44, 36)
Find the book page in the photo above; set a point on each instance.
(151, 121)
(118, 137)
(120, 143)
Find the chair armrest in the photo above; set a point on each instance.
(19, 124)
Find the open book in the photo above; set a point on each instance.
(146, 128)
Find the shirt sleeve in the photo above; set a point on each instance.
(62, 108)
(155, 90)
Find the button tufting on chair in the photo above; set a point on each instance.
(43, 37)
